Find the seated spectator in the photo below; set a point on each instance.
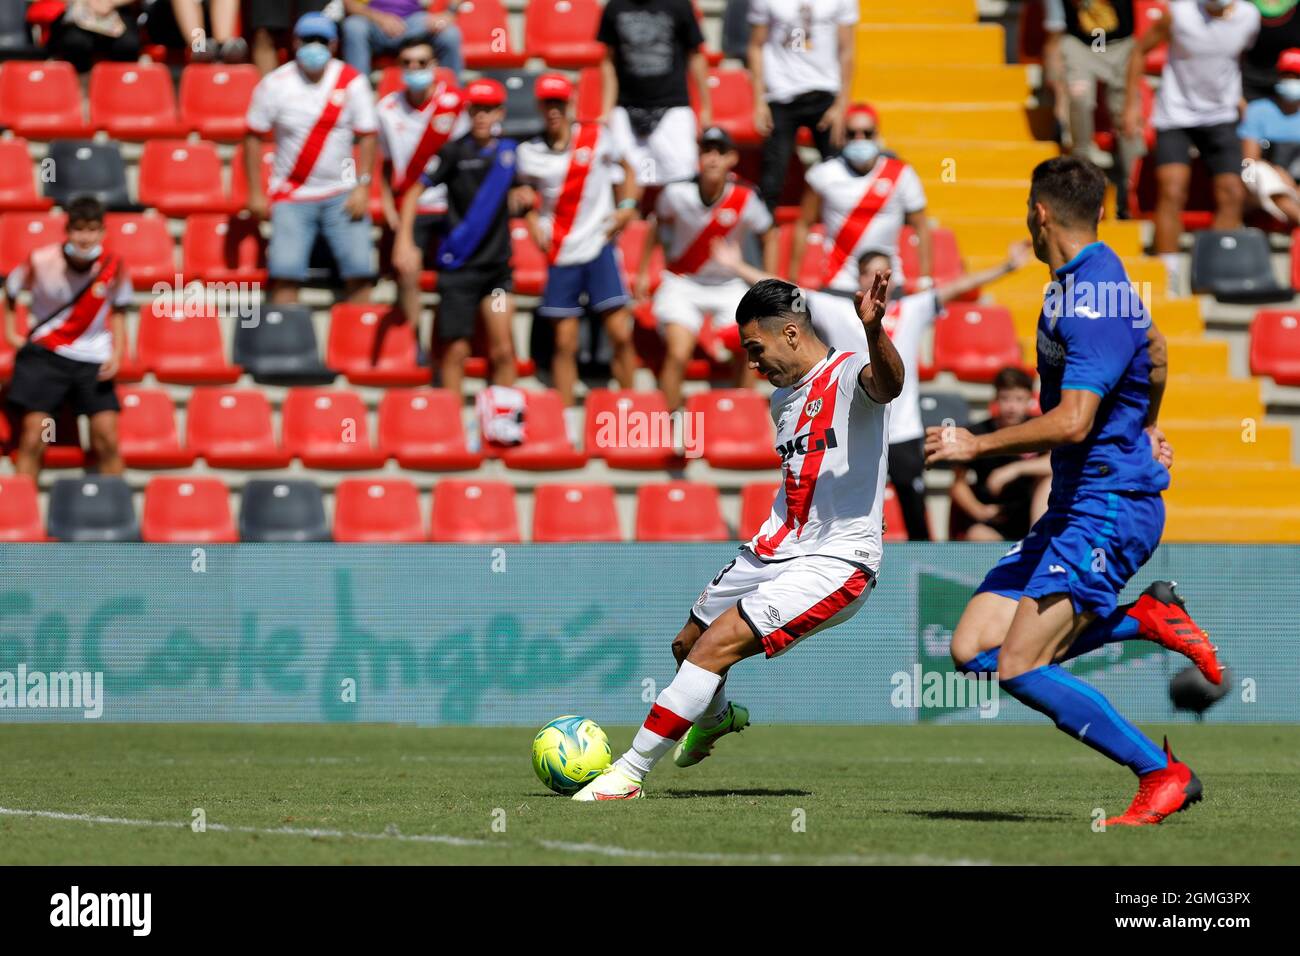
(268, 21)
(92, 30)
(1196, 106)
(999, 499)
(219, 41)
(76, 338)
(314, 187)
(1279, 31)
(380, 26)
(1270, 145)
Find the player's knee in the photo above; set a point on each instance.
(964, 647)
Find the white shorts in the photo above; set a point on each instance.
(785, 601)
(683, 301)
(668, 154)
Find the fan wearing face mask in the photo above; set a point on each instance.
(1270, 145)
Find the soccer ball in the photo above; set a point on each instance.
(569, 752)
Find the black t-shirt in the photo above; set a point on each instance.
(1016, 497)
(463, 167)
(1279, 30)
(649, 41)
(1084, 17)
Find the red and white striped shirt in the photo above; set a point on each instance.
(402, 127)
(82, 334)
(577, 189)
(688, 227)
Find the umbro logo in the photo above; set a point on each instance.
(773, 616)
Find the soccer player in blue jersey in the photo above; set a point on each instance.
(1053, 596)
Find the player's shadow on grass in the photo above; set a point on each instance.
(983, 816)
(737, 793)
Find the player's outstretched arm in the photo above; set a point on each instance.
(1067, 424)
(1017, 256)
(883, 378)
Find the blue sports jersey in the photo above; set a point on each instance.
(1092, 334)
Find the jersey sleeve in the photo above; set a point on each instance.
(123, 295)
(261, 108)
(756, 216)
(818, 176)
(17, 280)
(361, 107)
(606, 32)
(847, 15)
(1097, 352)
(759, 12)
(849, 385)
(910, 191)
(688, 27)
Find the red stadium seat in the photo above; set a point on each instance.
(737, 428)
(546, 444)
(527, 262)
(327, 428)
(733, 104)
(232, 428)
(591, 95)
(23, 232)
(563, 33)
(575, 512)
(814, 255)
(1275, 345)
(187, 510)
(946, 266)
(679, 511)
(18, 180)
(215, 98)
(145, 246)
(181, 348)
(7, 351)
(474, 512)
(895, 527)
(755, 505)
(221, 248)
(631, 243)
(147, 436)
(485, 35)
(373, 345)
(629, 429)
(42, 100)
(20, 513)
(239, 176)
(975, 341)
(179, 178)
(133, 101)
(377, 511)
(1145, 14)
(422, 429)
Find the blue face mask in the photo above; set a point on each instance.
(417, 81)
(313, 56)
(90, 255)
(861, 153)
(1289, 89)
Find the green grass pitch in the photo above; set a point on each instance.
(779, 794)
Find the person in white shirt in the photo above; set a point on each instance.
(801, 61)
(576, 167)
(1198, 105)
(315, 107)
(863, 198)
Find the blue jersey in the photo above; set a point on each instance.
(1092, 334)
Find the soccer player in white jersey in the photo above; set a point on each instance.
(577, 168)
(692, 216)
(816, 557)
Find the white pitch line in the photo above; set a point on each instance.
(558, 846)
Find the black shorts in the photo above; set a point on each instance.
(44, 380)
(1219, 146)
(461, 291)
(428, 232)
(278, 14)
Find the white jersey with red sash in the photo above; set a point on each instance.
(410, 137)
(831, 438)
(314, 126)
(863, 212)
(77, 304)
(577, 189)
(688, 228)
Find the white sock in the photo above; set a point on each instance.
(717, 709)
(1174, 271)
(678, 706)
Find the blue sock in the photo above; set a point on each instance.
(1083, 713)
(1116, 626)
(985, 662)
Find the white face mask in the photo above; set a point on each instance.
(90, 255)
(861, 153)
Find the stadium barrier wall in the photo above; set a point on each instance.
(516, 635)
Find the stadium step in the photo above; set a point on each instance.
(957, 160)
(1206, 398)
(990, 235)
(1218, 485)
(972, 197)
(943, 119)
(1205, 442)
(943, 82)
(973, 44)
(1174, 317)
(1188, 354)
(925, 11)
(1233, 525)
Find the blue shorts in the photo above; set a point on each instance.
(295, 226)
(1088, 552)
(600, 280)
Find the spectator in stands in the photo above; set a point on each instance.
(1091, 42)
(650, 45)
(380, 26)
(315, 189)
(801, 59)
(1270, 145)
(999, 498)
(863, 197)
(415, 122)
(735, 30)
(1197, 105)
(268, 21)
(76, 338)
(474, 279)
(579, 163)
(92, 30)
(1279, 31)
(220, 42)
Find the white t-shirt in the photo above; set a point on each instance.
(1201, 81)
(836, 322)
(286, 103)
(547, 169)
(801, 54)
(52, 285)
(402, 126)
(841, 189)
(683, 216)
(831, 438)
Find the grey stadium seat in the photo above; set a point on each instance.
(82, 167)
(92, 508)
(282, 510)
(279, 347)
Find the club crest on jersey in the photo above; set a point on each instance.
(337, 97)
(98, 290)
(727, 217)
(882, 186)
(443, 121)
(813, 407)
(582, 156)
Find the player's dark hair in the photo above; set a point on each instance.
(1073, 188)
(1012, 377)
(773, 299)
(872, 254)
(417, 39)
(85, 209)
